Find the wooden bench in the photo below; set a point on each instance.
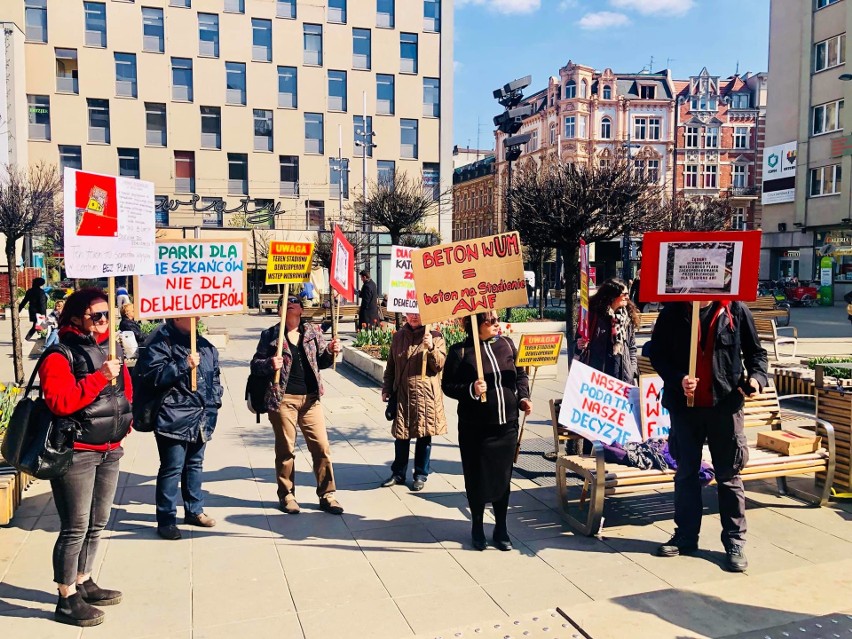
(602, 479)
(768, 306)
(646, 323)
(556, 295)
(767, 331)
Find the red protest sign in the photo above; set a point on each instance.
(342, 274)
(689, 266)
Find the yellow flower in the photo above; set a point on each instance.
(2, 387)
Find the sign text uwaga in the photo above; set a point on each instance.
(289, 262)
(539, 349)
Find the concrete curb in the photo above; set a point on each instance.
(359, 360)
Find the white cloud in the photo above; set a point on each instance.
(504, 6)
(568, 4)
(457, 66)
(655, 7)
(603, 20)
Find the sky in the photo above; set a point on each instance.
(496, 41)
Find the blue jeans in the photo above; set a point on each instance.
(179, 461)
(422, 453)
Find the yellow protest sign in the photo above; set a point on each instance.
(539, 349)
(289, 262)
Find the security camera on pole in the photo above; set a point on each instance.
(509, 122)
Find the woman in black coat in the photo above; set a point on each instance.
(37, 299)
(613, 318)
(488, 431)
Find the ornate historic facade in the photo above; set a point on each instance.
(473, 200)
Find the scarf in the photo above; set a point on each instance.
(620, 321)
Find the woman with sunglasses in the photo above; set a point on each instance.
(77, 381)
(488, 431)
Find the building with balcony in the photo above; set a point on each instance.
(474, 213)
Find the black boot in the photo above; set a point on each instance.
(76, 612)
(97, 596)
(477, 532)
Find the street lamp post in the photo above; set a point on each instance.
(366, 144)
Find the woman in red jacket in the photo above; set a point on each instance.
(76, 380)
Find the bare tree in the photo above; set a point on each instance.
(698, 214)
(324, 241)
(29, 204)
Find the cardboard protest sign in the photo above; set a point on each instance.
(289, 262)
(656, 421)
(696, 266)
(539, 349)
(341, 277)
(194, 277)
(470, 276)
(402, 298)
(600, 407)
(109, 225)
(583, 325)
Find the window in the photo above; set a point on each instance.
(238, 173)
(184, 171)
(691, 137)
(153, 32)
(361, 49)
(741, 137)
(35, 19)
(606, 128)
(740, 101)
(647, 92)
(289, 168)
(337, 90)
(552, 134)
(39, 117)
(262, 130)
(125, 74)
(640, 129)
(235, 6)
(639, 169)
(385, 12)
(654, 170)
(261, 43)
(314, 133)
(98, 121)
(607, 93)
(738, 219)
(432, 180)
(408, 53)
(359, 137)
(286, 9)
(532, 144)
(67, 71)
(654, 128)
(581, 126)
(384, 94)
(408, 139)
(155, 124)
(826, 117)
(824, 3)
(710, 173)
(95, 19)
(185, 4)
(385, 171)
(208, 35)
(739, 176)
(570, 89)
(337, 11)
(432, 15)
(211, 215)
(604, 163)
(287, 91)
(703, 103)
(825, 180)
(315, 215)
(235, 83)
(70, 157)
(128, 163)
(338, 177)
(262, 204)
(313, 44)
(211, 127)
(182, 79)
(690, 176)
(830, 53)
(431, 97)
(570, 130)
(161, 217)
(711, 137)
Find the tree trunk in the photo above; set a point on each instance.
(541, 288)
(17, 352)
(397, 320)
(571, 264)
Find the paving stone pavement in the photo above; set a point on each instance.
(398, 564)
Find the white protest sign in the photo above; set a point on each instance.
(109, 225)
(402, 298)
(656, 420)
(600, 407)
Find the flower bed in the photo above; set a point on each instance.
(376, 341)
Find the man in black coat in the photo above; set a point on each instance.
(37, 299)
(727, 339)
(368, 312)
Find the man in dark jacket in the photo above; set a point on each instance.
(37, 299)
(368, 313)
(727, 338)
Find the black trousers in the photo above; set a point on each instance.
(724, 435)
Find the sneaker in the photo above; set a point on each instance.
(72, 610)
(330, 505)
(393, 480)
(735, 559)
(289, 505)
(97, 596)
(169, 532)
(676, 546)
(418, 485)
(201, 520)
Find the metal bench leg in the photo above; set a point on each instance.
(781, 482)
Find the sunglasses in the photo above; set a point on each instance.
(490, 321)
(98, 316)
(293, 300)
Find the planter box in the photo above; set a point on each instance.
(360, 361)
(218, 339)
(835, 407)
(12, 487)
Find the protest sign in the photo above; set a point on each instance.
(109, 225)
(699, 265)
(470, 276)
(341, 277)
(289, 262)
(655, 419)
(402, 298)
(583, 326)
(192, 278)
(539, 349)
(600, 407)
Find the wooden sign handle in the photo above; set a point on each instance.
(693, 347)
(425, 355)
(111, 319)
(193, 346)
(282, 330)
(479, 374)
(334, 321)
(524, 420)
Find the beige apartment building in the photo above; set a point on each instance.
(806, 207)
(220, 101)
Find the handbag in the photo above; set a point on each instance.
(38, 442)
(391, 408)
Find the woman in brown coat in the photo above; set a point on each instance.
(420, 401)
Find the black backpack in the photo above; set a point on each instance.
(256, 386)
(145, 413)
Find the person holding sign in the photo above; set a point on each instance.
(185, 420)
(417, 395)
(295, 401)
(726, 338)
(488, 431)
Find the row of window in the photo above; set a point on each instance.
(648, 92)
(473, 200)
(710, 175)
